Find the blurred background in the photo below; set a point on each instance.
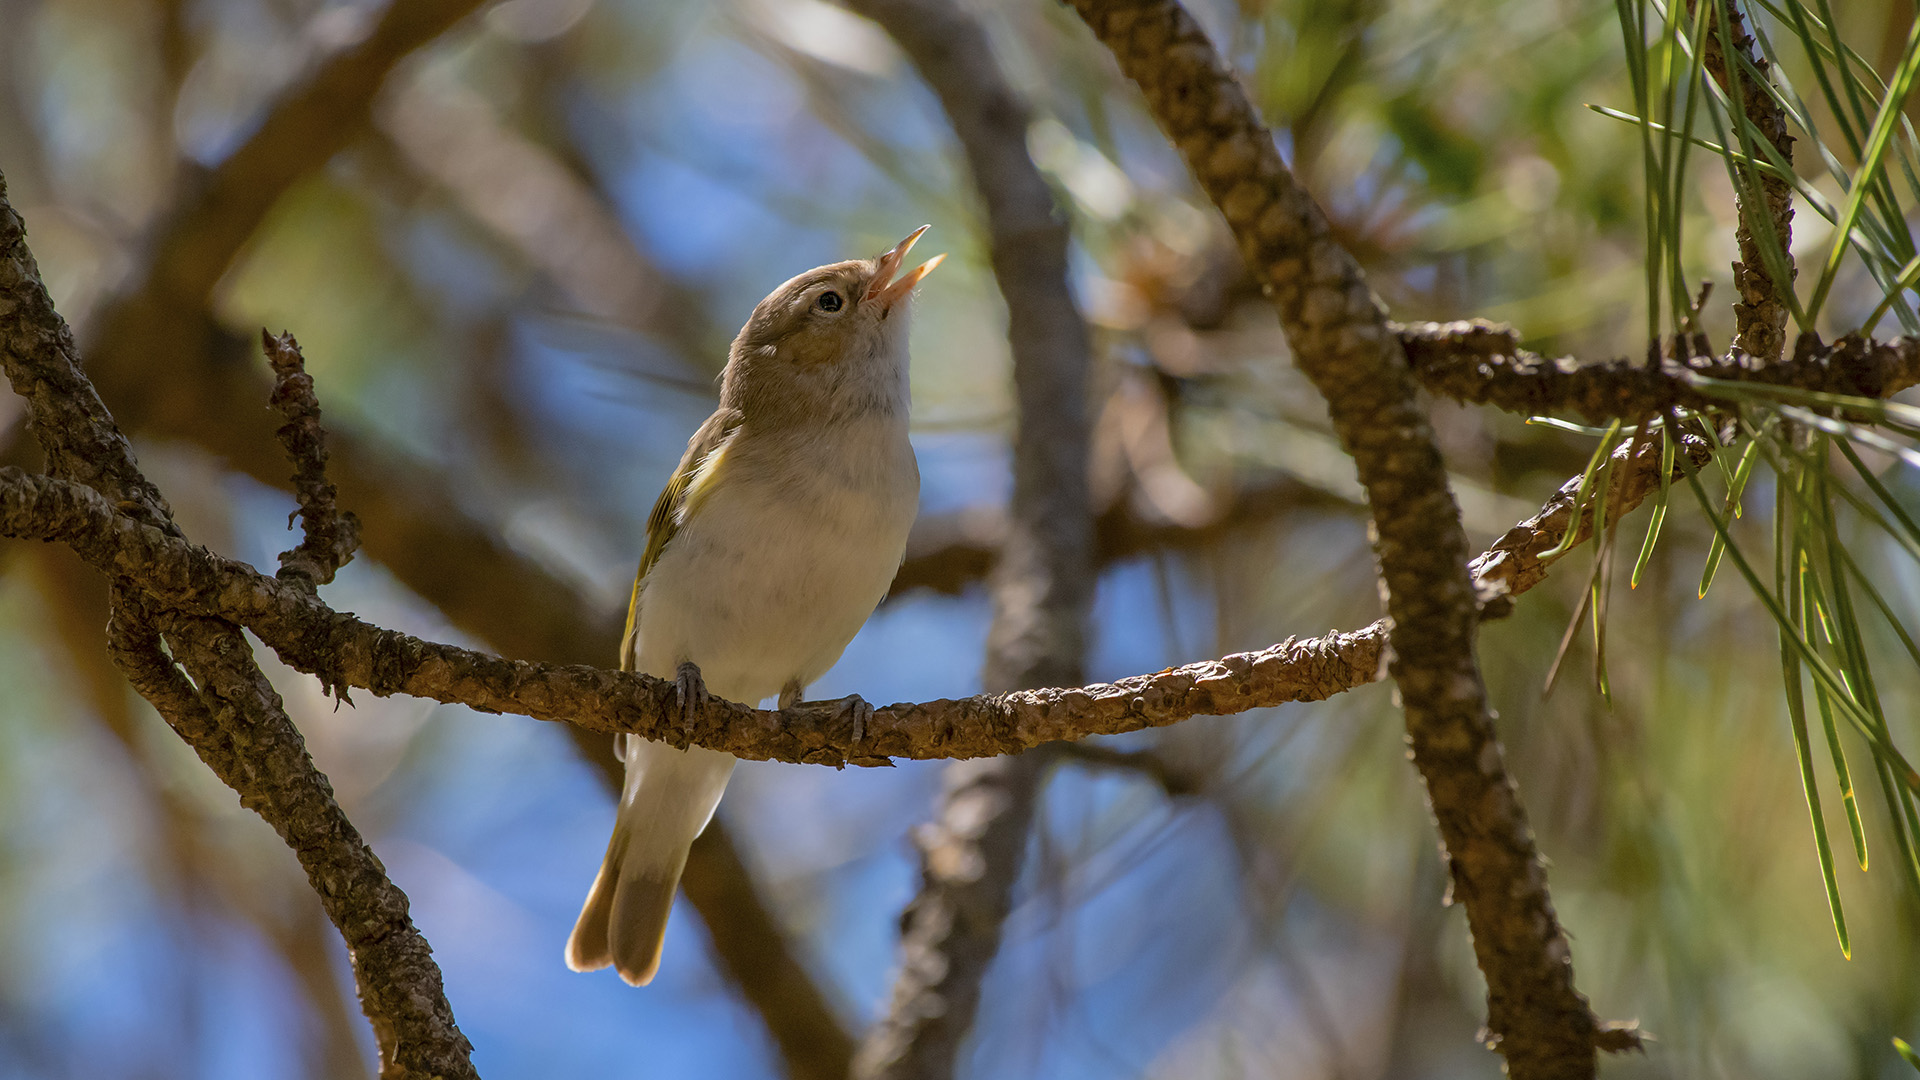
(515, 276)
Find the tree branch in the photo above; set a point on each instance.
(970, 857)
(1341, 340)
(311, 637)
(1481, 363)
(233, 719)
(260, 754)
(329, 536)
(752, 949)
(1760, 316)
(302, 131)
(411, 522)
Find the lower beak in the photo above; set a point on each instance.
(885, 287)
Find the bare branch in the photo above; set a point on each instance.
(306, 127)
(1341, 340)
(329, 536)
(1043, 578)
(233, 718)
(1482, 363)
(311, 637)
(237, 724)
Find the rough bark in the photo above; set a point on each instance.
(1342, 341)
(1764, 202)
(328, 534)
(311, 637)
(229, 713)
(1481, 363)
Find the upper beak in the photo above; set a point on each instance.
(885, 287)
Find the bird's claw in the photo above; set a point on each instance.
(862, 714)
(692, 692)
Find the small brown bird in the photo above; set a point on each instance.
(778, 535)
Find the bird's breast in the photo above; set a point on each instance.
(791, 547)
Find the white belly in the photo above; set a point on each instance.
(770, 577)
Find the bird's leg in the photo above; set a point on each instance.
(692, 692)
(790, 693)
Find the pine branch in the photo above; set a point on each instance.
(1341, 340)
(1764, 204)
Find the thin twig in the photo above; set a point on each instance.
(329, 536)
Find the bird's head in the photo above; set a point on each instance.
(830, 343)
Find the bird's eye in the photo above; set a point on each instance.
(829, 301)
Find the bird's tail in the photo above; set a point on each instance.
(667, 800)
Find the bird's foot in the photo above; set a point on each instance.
(692, 692)
(862, 714)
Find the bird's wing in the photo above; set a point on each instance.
(697, 466)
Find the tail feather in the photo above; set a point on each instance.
(669, 796)
(589, 947)
(639, 929)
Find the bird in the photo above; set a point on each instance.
(778, 535)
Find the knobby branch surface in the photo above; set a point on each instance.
(1482, 363)
(313, 638)
(1043, 579)
(1764, 200)
(1342, 341)
(228, 713)
(328, 536)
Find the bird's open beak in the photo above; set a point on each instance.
(885, 287)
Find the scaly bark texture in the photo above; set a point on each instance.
(1342, 341)
(229, 713)
(1765, 200)
(328, 534)
(311, 637)
(1481, 363)
(1042, 582)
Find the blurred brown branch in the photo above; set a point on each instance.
(1042, 580)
